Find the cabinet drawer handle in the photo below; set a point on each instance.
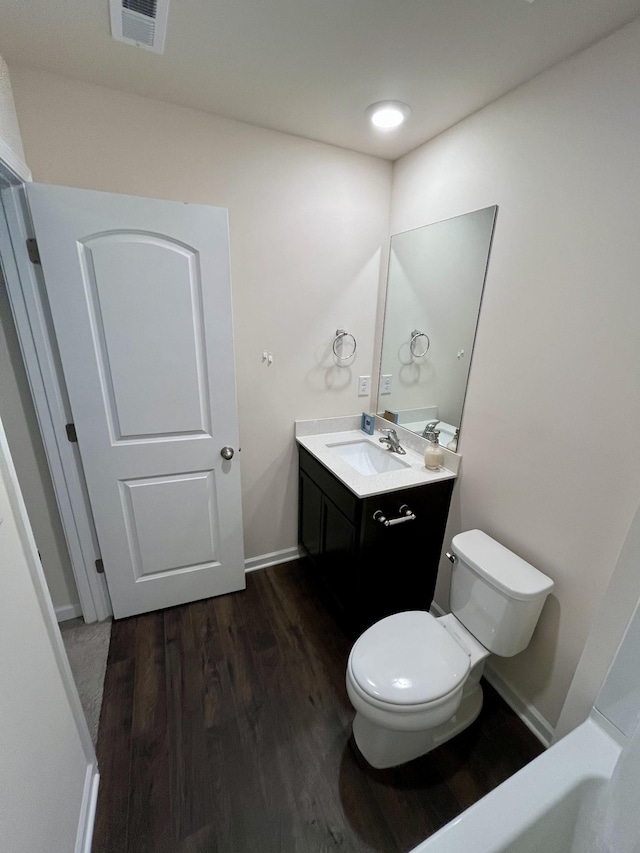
(406, 515)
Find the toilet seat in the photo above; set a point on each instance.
(408, 661)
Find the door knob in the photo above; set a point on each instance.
(227, 453)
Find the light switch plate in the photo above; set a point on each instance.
(385, 383)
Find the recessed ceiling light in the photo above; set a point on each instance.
(387, 115)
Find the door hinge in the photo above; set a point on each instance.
(99, 566)
(32, 251)
(72, 435)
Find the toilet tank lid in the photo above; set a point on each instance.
(500, 566)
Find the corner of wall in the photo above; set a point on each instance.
(11, 149)
(606, 634)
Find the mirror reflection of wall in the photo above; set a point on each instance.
(434, 290)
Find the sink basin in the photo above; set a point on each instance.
(366, 458)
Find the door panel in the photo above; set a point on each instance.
(310, 525)
(152, 388)
(171, 523)
(338, 547)
(140, 297)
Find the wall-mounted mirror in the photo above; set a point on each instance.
(434, 290)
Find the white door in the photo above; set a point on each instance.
(140, 297)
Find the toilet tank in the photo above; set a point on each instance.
(495, 594)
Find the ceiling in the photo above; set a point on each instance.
(311, 67)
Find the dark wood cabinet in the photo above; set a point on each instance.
(368, 569)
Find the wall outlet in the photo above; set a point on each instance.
(364, 386)
(385, 383)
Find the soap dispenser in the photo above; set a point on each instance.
(433, 455)
(453, 444)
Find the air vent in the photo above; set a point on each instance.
(142, 23)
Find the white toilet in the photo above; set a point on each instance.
(414, 679)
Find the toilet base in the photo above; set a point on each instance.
(384, 747)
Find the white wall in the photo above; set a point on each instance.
(308, 223)
(551, 458)
(45, 767)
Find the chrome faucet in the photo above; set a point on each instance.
(392, 442)
(430, 428)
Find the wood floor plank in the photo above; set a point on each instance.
(150, 829)
(122, 645)
(190, 782)
(226, 728)
(114, 742)
(237, 742)
(202, 841)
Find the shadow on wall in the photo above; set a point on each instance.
(542, 649)
(328, 372)
(547, 630)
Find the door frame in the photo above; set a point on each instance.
(27, 297)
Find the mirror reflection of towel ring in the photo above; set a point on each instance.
(413, 344)
(339, 339)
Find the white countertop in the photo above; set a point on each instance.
(363, 485)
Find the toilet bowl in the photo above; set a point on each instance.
(414, 679)
(408, 702)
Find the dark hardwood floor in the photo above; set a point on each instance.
(225, 728)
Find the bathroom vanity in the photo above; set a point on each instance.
(374, 539)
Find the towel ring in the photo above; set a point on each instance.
(412, 345)
(340, 336)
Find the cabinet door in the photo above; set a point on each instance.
(400, 562)
(310, 516)
(338, 541)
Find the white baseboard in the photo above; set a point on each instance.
(87, 819)
(529, 715)
(68, 611)
(252, 564)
